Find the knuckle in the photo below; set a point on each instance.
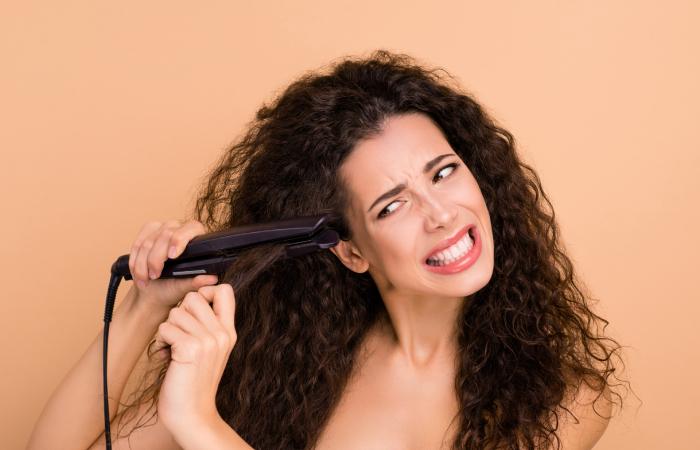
(174, 313)
(195, 224)
(149, 225)
(193, 349)
(191, 299)
(223, 339)
(226, 289)
(176, 239)
(209, 343)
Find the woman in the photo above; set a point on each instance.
(448, 316)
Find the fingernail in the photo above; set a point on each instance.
(171, 252)
(141, 284)
(151, 275)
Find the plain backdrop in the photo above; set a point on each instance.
(111, 112)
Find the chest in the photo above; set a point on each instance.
(384, 407)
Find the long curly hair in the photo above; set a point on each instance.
(525, 340)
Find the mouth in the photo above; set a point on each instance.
(445, 245)
(457, 253)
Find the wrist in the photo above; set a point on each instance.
(145, 312)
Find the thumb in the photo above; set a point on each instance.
(182, 286)
(203, 280)
(173, 290)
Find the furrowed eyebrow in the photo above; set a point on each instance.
(400, 187)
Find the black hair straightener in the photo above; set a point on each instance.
(212, 253)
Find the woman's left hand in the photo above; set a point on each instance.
(201, 339)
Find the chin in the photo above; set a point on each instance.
(475, 281)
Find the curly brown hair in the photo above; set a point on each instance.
(525, 340)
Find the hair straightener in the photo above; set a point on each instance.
(212, 253)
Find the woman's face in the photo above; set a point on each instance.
(394, 233)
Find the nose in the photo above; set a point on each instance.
(438, 212)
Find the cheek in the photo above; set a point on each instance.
(397, 249)
(470, 190)
(470, 195)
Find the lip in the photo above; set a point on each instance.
(465, 261)
(449, 241)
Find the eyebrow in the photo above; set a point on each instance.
(400, 187)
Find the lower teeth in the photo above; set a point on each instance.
(443, 263)
(440, 263)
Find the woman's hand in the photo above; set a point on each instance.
(200, 340)
(154, 244)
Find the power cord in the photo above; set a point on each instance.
(114, 281)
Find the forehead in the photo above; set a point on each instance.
(397, 154)
(402, 136)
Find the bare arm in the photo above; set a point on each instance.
(74, 414)
(213, 434)
(73, 418)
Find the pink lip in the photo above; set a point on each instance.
(464, 262)
(449, 241)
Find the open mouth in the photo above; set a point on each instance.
(457, 251)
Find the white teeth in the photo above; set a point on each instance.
(454, 252)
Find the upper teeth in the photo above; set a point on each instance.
(455, 250)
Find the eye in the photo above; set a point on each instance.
(385, 212)
(452, 166)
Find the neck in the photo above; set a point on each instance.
(420, 332)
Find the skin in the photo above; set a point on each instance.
(405, 397)
(402, 393)
(433, 207)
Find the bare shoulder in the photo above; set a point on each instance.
(140, 433)
(593, 410)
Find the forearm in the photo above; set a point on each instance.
(211, 434)
(74, 414)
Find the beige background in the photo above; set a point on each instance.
(110, 113)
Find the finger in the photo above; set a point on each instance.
(159, 345)
(141, 264)
(147, 229)
(147, 243)
(223, 302)
(185, 285)
(158, 254)
(202, 280)
(201, 310)
(182, 235)
(184, 320)
(178, 340)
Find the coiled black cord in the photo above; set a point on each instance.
(114, 281)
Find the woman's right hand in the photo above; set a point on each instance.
(154, 244)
